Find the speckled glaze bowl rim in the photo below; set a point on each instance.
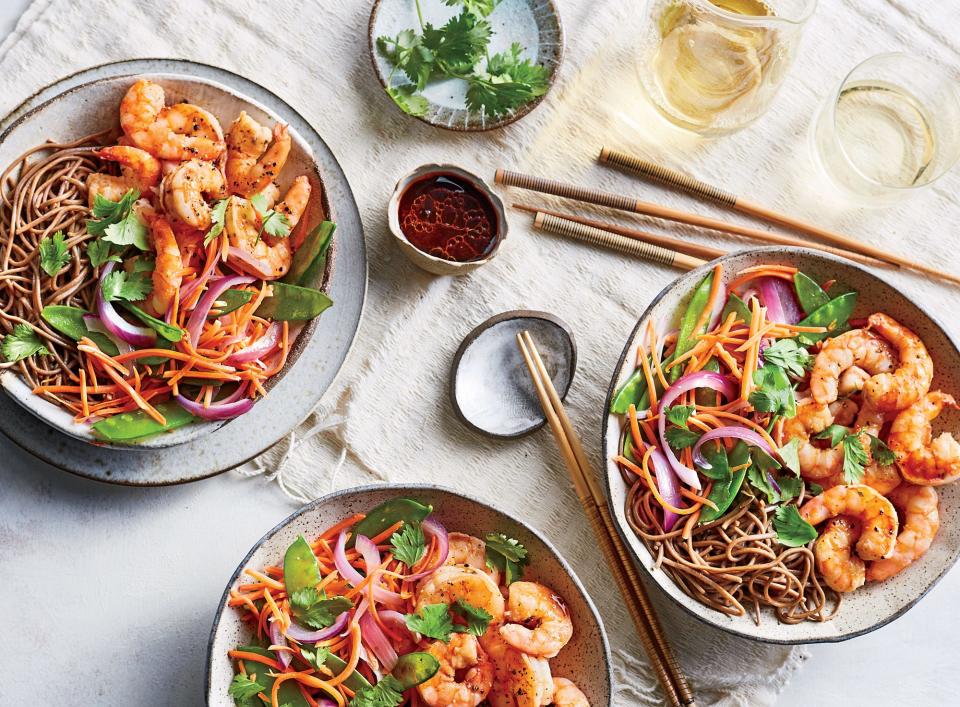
(475, 334)
(499, 122)
(393, 218)
(627, 534)
(404, 489)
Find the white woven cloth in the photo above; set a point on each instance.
(388, 416)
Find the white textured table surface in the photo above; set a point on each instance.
(99, 586)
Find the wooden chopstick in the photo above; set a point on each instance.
(598, 237)
(691, 185)
(695, 249)
(626, 203)
(594, 504)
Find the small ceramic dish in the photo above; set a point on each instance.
(456, 512)
(874, 604)
(490, 386)
(432, 263)
(534, 24)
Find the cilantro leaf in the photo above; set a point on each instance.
(680, 438)
(132, 287)
(774, 393)
(508, 83)
(834, 433)
(433, 621)
(881, 453)
(477, 619)
(480, 8)
(790, 454)
(218, 217)
(814, 488)
(790, 356)
(409, 101)
(506, 555)
(855, 459)
(273, 223)
(386, 693)
(315, 655)
(312, 610)
(22, 343)
(100, 252)
(110, 212)
(792, 529)
(243, 688)
(54, 254)
(459, 44)
(790, 487)
(409, 544)
(760, 476)
(407, 53)
(678, 414)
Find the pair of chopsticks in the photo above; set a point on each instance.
(594, 505)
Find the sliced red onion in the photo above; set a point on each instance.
(250, 264)
(781, 303)
(764, 343)
(141, 337)
(377, 641)
(394, 619)
(277, 639)
(691, 381)
(258, 349)
(433, 529)
(349, 573)
(729, 432)
(773, 482)
(93, 323)
(216, 411)
(668, 486)
(215, 288)
(304, 635)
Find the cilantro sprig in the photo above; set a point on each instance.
(409, 544)
(129, 287)
(506, 555)
(243, 688)
(22, 343)
(855, 457)
(273, 223)
(218, 216)
(54, 254)
(388, 692)
(792, 529)
(117, 222)
(312, 609)
(477, 618)
(432, 621)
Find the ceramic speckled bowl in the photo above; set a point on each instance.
(873, 605)
(588, 647)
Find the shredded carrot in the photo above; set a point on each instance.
(644, 473)
(255, 657)
(651, 388)
(136, 397)
(702, 320)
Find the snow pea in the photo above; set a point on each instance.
(726, 484)
(234, 300)
(735, 304)
(288, 693)
(691, 315)
(415, 668)
(69, 321)
(311, 256)
(131, 426)
(809, 293)
(833, 315)
(388, 513)
(293, 303)
(631, 391)
(170, 332)
(300, 568)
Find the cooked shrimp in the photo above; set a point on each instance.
(891, 392)
(883, 478)
(461, 656)
(857, 347)
(253, 158)
(294, 205)
(520, 680)
(921, 521)
(851, 380)
(184, 192)
(844, 411)
(108, 186)
(839, 567)
(922, 459)
(168, 270)
(140, 168)
(268, 258)
(811, 418)
(177, 133)
(472, 552)
(539, 623)
(447, 584)
(877, 517)
(567, 694)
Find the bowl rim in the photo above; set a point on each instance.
(399, 488)
(699, 271)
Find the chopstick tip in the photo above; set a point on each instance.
(604, 153)
(498, 176)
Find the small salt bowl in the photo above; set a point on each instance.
(446, 220)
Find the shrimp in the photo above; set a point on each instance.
(878, 519)
(168, 271)
(140, 168)
(539, 623)
(294, 205)
(840, 568)
(811, 418)
(892, 392)
(520, 680)
(567, 694)
(449, 583)
(472, 552)
(108, 186)
(851, 380)
(844, 411)
(177, 133)
(856, 347)
(461, 656)
(184, 191)
(883, 478)
(253, 158)
(921, 521)
(922, 459)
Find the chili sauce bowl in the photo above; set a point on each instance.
(474, 188)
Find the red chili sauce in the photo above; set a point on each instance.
(447, 217)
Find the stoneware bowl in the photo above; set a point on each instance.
(92, 106)
(431, 263)
(873, 605)
(534, 24)
(456, 512)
